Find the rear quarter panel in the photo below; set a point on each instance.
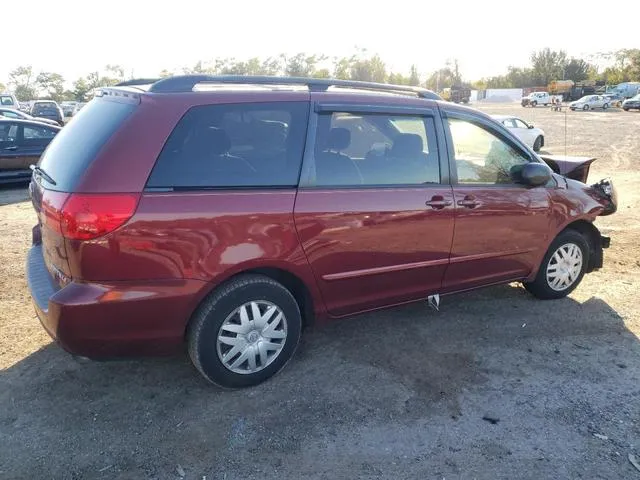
(208, 236)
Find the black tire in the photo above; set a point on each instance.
(216, 308)
(540, 287)
(534, 103)
(585, 108)
(537, 144)
(626, 109)
(605, 106)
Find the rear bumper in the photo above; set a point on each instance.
(116, 319)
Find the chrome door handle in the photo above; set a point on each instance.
(437, 203)
(468, 202)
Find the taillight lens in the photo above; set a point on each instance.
(85, 216)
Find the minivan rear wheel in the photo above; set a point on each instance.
(562, 267)
(244, 332)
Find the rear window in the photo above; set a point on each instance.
(6, 100)
(234, 145)
(76, 146)
(44, 106)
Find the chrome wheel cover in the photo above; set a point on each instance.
(564, 267)
(252, 337)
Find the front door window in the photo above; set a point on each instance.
(482, 157)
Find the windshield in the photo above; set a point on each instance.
(635, 98)
(44, 105)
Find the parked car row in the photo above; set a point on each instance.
(587, 102)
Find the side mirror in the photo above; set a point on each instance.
(535, 174)
(530, 126)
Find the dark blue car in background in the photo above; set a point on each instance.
(21, 144)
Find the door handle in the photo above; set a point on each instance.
(468, 201)
(437, 202)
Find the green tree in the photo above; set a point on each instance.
(397, 79)
(81, 90)
(342, 67)
(301, 65)
(370, 69)
(577, 69)
(51, 85)
(414, 76)
(548, 65)
(21, 80)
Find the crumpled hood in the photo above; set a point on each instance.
(576, 168)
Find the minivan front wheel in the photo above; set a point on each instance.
(562, 268)
(244, 332)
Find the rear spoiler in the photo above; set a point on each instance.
(122, 95)
(576, 168)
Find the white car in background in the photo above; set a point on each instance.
(530, 135)
(589, 102)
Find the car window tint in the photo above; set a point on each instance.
(374, 149)
(8, 133)
(5, 100)
(481, 156)
(9, 114)
(520, 124)
(507, 122)
(38, 133)
(238, 145)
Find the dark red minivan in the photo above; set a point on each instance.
(226, 213)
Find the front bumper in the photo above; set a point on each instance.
(607, 195)
(115, 319)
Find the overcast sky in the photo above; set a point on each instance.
(74, 37)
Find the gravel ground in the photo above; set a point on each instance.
(496, 385)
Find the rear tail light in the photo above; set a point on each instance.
(85, 216)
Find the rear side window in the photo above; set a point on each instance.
(76, 146)
(6, 100)
(234, 145)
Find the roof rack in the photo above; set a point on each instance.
(186, 83)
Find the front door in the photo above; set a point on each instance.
(374, 211)
(500, 226)
(10, 157)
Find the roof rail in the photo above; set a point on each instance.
(137, 81)
(186, 83)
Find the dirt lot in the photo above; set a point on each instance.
(397, 394)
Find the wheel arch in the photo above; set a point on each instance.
(592, 234)
(310, 307)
